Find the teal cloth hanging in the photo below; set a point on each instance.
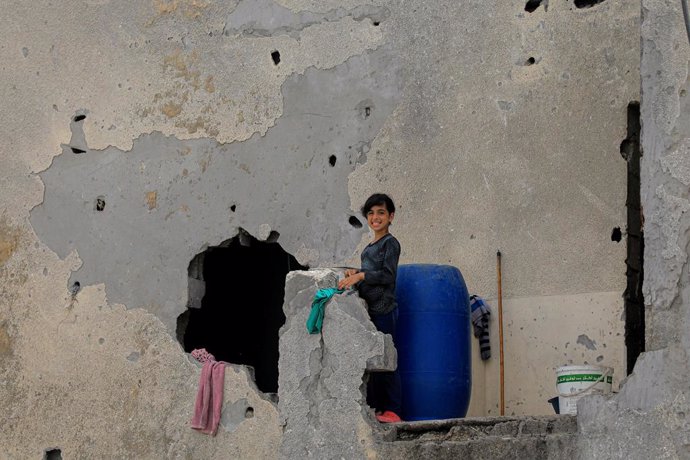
(318, 308)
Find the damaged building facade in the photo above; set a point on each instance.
(162, 153)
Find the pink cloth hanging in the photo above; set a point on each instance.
(209, 397)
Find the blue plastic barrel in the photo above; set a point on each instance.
(433, 342)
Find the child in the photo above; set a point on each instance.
(376, 284)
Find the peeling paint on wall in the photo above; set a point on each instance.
(166, 199)
(9, 240)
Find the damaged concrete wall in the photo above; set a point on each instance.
(138, 133)
(149, 125)
(648, 418)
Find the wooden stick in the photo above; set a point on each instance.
(500, 332)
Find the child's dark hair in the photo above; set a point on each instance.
(378, 199)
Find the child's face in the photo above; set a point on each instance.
(379, 219)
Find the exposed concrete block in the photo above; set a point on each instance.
(321, 388)
(647, 419)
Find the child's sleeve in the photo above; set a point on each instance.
(389, 270)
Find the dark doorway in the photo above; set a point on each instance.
(634, 300)
(242, 308)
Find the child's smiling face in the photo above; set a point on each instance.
(379, 219)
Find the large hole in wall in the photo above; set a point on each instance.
(235, 306)
(634, 301)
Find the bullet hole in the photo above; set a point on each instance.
(587, 3)
(101, 341)
(100, 203)
(616, 235)
(77, 151)
(233, 208)
(276, 57)
(376, 23)
(249, 413)
(367, 112)
(79, 117)
(53, 454)
(75, 288)
(530, 61)
(355, 222)
(331, 160)
(532, 5)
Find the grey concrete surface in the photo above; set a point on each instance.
(648, 418)
(321, 390)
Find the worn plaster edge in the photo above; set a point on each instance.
(370, 46)
(36, 174)
(287, 5)
(339, 13)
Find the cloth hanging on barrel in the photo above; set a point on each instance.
(480, 323)
(318, 308)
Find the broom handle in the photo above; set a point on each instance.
(500, 332)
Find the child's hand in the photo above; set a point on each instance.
(350, 272)
(350, 281)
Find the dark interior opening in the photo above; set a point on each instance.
(532, 5)
(634, 300)
(238, 318)
(587, 3)
(53, 454)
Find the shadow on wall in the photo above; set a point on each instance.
(236, 293)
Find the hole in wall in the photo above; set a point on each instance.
(233, 208)
(249, 413)
(587, 3)
(235, 306)
(532, 5)
(77, 151)
(530, 61)
(376, 23)
(276, 57)
(52, 454)
(99, 204)
(367, 112)
(332, 159)
(79, 117)
(75, 288)
(355, 222)
(616, 234)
